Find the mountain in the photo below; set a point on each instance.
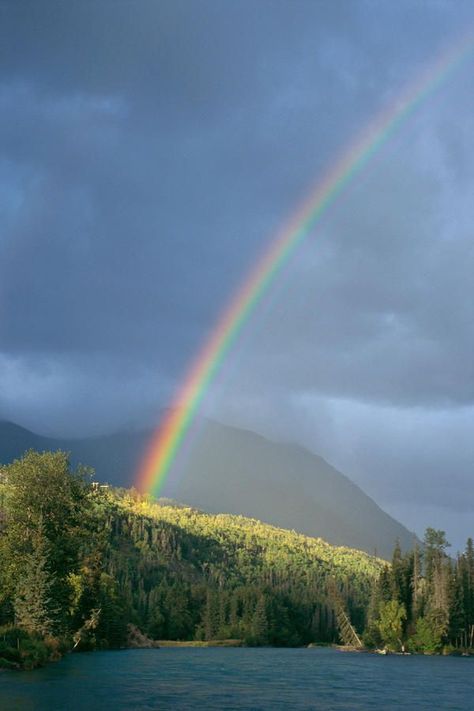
(114, 457)
(115, 558)
(239, 472)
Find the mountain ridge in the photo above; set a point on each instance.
(239, 472)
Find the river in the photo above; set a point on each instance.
(264, 679)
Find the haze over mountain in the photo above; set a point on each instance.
(236, 471)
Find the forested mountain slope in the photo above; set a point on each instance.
(82, 562)
(82, 566)
(240, 472)
(245, 566)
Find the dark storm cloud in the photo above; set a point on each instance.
(148, 143)
(133, 145)
(149, 150)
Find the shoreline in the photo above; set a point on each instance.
(227, 643)
(198, 643)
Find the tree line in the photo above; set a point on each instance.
(80, 563)
(424, 601)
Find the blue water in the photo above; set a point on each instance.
(265, 679)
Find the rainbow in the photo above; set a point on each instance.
(170, 435)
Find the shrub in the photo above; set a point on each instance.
(21, 650)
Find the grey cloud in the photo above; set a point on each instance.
(379, 301)
(148, 153)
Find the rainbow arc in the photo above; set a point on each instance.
(170, 435)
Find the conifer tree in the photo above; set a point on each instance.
(211, 615)
(397, 576)
(260, 628)
(456, 612)
(468, 583)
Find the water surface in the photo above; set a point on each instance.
(217, 678)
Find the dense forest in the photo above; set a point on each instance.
(424, 601)
(81, 563)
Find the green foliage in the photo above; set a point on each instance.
(237, 577)
(44, 509)
(81, 563)
(428, 636)
(260, 628)
(390, 624)
(371, 637)
(436, 592)
(84, 562)
(33, 603)
(20, 649)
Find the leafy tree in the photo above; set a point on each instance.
(390, 623)
(33, 603)
(43, 499)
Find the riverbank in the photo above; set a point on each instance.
(21, 650)
(444, 652)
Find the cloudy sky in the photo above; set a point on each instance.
(150, 150)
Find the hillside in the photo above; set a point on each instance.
(85, 562)
(250, 549)
(114, 457)
(88, 567)
(240, 472)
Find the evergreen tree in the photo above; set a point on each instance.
(211, 615)
(260, 627)
(468, 584)
(456, 612)
(385, 586)
(397, 576)
(428, 636)
(416, 585)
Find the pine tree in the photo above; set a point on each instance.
(385, 586)
(211, 615)
(260, 622)
(397, 577)
(468, 584)
(416, 605)
(456, 612)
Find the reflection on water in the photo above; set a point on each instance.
(265, 679)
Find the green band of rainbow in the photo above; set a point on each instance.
(171, 433)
